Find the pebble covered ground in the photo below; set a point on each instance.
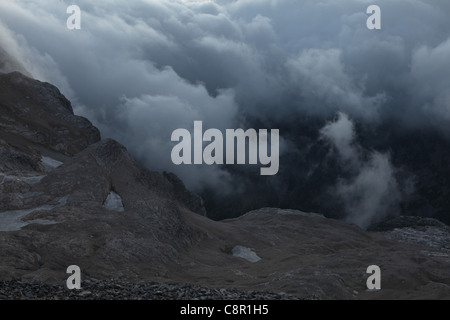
(116, 290)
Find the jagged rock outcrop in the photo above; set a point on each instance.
(190, 199)
(36, 115)
(67, 197)
(57, 207)
(417, 230)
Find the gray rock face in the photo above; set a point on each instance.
(34, 114)
(53, 214)
(48, 154)
(13, 159)
(148, 234)
(190, 199)
(429, 232)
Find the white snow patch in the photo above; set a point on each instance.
(50, 163)
(29, 194)
(12, 220)
(245, 253)
(114, 202)
(29, 180)
(32, 180)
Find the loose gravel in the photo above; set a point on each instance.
(116, 290)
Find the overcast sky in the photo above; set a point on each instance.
(140, 69)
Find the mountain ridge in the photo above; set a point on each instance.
(56, 175)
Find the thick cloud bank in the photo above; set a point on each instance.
(141, 69)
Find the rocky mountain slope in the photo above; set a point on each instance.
(67, 197)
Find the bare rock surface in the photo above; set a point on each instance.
(56, 176)
(36, 115)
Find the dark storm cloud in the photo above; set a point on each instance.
(140, 69)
